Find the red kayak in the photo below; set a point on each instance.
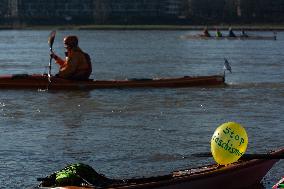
(25, 81)
(242, 174)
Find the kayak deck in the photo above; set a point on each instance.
(41, 82)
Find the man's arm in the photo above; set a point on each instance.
(68, 68)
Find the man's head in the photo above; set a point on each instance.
(70, 41)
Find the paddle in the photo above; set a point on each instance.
(50, 43)
(246, 156)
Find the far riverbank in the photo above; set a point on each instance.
(263, 27)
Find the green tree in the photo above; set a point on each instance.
(208, 10)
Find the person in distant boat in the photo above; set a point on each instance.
(231, 33)
(206, 32)
(218, 33)
(77, 64)
(243, 33)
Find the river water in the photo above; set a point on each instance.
(137, 132)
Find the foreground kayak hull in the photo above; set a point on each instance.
(41, 82)
(243, 174)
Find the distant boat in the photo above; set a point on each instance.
(245, 37)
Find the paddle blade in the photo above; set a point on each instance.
(51, 38)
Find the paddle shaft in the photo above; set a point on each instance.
(50, 42)
(49, 65)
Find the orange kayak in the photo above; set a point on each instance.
(24, 81)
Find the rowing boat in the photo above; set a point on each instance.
(25, 81)
(242, 174)
(229, 38)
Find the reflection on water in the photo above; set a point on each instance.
(137, 132)
(62, 103)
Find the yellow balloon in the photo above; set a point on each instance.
(229, 142)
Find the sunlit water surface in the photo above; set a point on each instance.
(137, 132)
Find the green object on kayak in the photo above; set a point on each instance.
(76, 174)
(66, 176)
(70, 174)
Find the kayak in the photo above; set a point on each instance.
(36, 81)
(242, 174)
(229, 38)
